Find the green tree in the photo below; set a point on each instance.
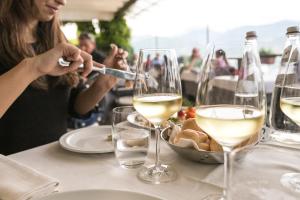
(115, 31)
(86, 27)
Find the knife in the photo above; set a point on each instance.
(104, 70)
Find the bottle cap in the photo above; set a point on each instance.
(251, 34)
(292, 29)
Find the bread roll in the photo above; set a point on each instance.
(203, 138)
(204, 146)
(187, 134)
(190, 124)
(200, 138)
(214, 146)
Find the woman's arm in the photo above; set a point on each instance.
(15, 81)
(87, 99)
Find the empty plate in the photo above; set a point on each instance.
(99, 194)
(94, 139)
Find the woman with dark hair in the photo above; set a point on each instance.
(37, 95)
(221, 64)
(221, 59)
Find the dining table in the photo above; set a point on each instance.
(78, 171)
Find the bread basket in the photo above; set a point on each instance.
(207, 157)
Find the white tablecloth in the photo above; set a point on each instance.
(101, 171)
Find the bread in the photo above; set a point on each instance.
(204, 146)
(190, 124)
(214, 146)
(201, 141)
(200, 138)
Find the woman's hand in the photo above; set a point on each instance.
(87, 99)
(47, 63)
(116, 58)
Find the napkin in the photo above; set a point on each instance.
(18, 182)
(259, 174)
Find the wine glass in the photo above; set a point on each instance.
(284, 130)
(290, 106)
(230, 108)
(157, 96)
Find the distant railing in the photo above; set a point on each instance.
(265, 59)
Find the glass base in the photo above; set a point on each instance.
(291, 181)
(214, 197)
(131, 164)
(156, 175)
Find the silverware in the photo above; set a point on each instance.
(104, 70)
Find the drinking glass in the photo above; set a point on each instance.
(290, 106)
(131, 143)
(230, 108)
(157, 96)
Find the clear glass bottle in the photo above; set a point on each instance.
(246, 90)
(283, 128)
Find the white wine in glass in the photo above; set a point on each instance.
(157, 108)
(230, 125)
(290, 106)
(231, 116)
(157, 96)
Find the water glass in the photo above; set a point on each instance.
(131, 142)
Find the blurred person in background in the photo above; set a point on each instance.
(148, 63)
(133, 62)
(194, 61)
(156, 60)
(221, 64)
(180, 61)
(87, 43)
(36, 94)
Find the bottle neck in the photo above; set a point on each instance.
(292, 39)
(250, 48)
(251, 60)
(251, 42)
(291, 43)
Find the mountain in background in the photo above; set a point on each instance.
(269, 36)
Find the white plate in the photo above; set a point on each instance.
(131, 118)
(88, 140)
(99, 195)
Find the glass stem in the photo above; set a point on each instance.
(227, 173)
(157, 146)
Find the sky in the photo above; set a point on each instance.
(175, 17)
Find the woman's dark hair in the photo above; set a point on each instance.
(87, 36)
(14, 17)
(221, 53)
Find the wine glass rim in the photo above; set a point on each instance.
(120, 109)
